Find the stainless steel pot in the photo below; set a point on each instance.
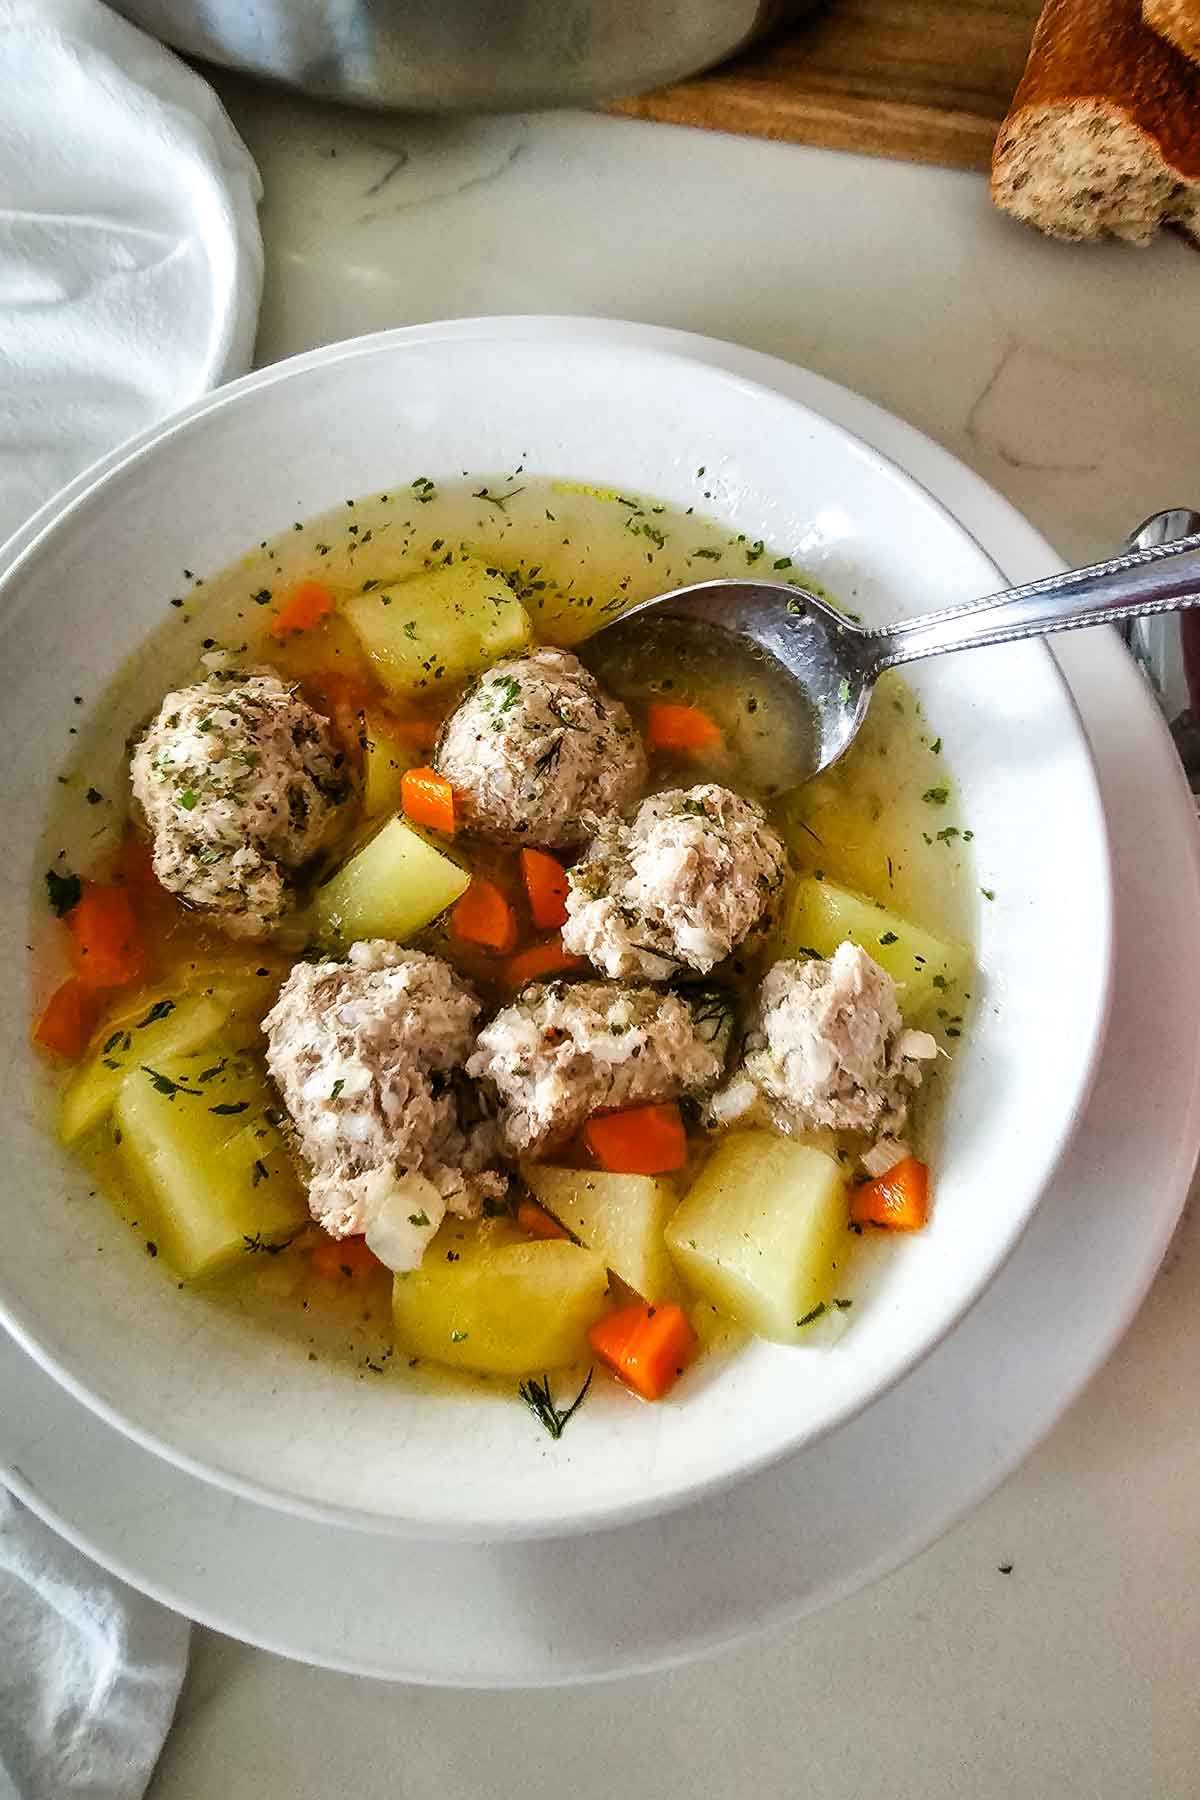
(462, 55)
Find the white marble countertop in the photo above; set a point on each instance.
(1068, 378)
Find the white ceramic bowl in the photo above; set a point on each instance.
(80, 591)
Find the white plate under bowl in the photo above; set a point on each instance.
(215, 1392)
(798, 1536)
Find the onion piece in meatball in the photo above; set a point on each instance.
(680, 886)
(562, 1052)
(368, 1056)
(240, 783)
(534, 744)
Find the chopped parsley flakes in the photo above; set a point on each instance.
(63, 891)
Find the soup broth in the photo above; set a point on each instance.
(884, 821)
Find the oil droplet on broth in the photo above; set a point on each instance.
(768, 726)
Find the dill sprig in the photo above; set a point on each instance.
(540, 1401)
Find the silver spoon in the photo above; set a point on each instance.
(837, 663)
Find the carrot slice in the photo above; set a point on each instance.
(546, 958)
(66, 1023)
(342, 1259)
(898, 1199)
(546, 884)
(484, 916)
(641, 1140)
(646, 1347)
(686, 728)
(538, 1222)
(106, 944)
(428, 799)
(304, 607)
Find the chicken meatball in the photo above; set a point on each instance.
(241, 783)
(562, 1052)
(535, 744)
(830, 1049)
(681, 886)
(368, 1056)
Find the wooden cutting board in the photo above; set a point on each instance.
(922, 80)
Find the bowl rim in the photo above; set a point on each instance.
(562, 330)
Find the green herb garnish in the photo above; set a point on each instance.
(540, 1401)
(164, 1085)
(63, 891)
(549, 758)
(158, 1011)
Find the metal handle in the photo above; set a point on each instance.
(1161, 579)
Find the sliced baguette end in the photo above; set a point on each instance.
(1081, 170)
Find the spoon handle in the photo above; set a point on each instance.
(1161, 579)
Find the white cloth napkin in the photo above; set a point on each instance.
(130, 276)
(89, 1671)
(130, 256)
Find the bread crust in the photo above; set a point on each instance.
(1176, 20)
(1103, 135)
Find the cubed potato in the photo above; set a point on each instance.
(197, 1138)
(506, 1309)
(820, 915)
(386, 755)
(163, 1024)
(621, 1217)
(393, 886)
(763, 1233)
(434, 630)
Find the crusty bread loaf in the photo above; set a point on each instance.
(1103, 135)
(1176, 20)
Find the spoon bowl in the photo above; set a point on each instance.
(829, 664)
(832, 663)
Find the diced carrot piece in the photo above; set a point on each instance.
(66, 1023)
(546, 884)
(428, 799)
(106, 942)
(641, 1140)
(687, 728)
(647, 1347)
(540, 960)
(897, 1199)
(302, 608)
(538, 1222)
(343, 1259)
(484, 916)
